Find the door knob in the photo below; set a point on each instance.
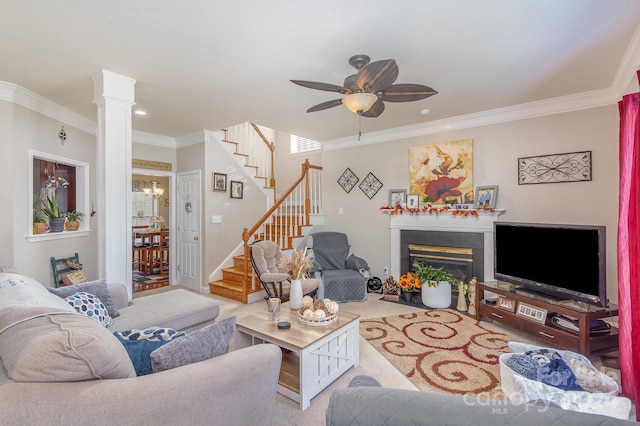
(196, 238)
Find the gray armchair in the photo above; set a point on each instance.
(266, 258)
(343, 275)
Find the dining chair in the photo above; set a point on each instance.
(159, 253)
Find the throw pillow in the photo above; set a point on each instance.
(208, 342)
(140, 343)
(62, 348)
(99, 288)
(91, 306)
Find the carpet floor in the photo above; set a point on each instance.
(441, 350)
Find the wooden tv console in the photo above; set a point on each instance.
(583, 342)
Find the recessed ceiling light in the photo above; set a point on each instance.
(139, 112)
(425, 111)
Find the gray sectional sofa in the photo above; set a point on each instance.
(58, 367)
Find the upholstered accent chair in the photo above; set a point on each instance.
(266, 256)
(343, 275)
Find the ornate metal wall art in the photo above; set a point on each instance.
(555, 168)
(370, 185)
(348, 180)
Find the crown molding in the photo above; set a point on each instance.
(30, 100)
(153, 139)
(586, 100)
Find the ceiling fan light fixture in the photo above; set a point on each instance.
(359, 102)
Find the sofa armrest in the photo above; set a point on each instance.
(118, 293)
(215, 391)
(356, 263)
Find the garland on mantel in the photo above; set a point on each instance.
(431, 209)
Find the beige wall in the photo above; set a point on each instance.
(32, 130)
(6, 185)
(496, 150)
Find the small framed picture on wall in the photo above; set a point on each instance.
(219, 182)
(236, 189)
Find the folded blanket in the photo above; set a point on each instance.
(23, 298)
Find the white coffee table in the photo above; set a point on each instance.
(312, 358)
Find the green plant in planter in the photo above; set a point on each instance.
(73, 220)
(50, 207)
(38, 217)
(429, 274)
(75, 216)
(37, 212)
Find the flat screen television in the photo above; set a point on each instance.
(565, 262)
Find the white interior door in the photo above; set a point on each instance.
(189, 230)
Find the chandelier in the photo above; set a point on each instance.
(154, 191)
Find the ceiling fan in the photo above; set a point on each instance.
(368, 89)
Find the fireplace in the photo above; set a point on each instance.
(459, 253)
(464, 243)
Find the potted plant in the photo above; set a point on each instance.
(39, 223)
(51, 209)
(73, 220)
(436, 288)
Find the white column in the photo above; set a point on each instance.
(114, 96)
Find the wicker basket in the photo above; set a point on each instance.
(72, 226)
(318, 322)
(39, 228)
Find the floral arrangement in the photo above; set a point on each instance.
(56, 182)
(298, 265)
(409, 282)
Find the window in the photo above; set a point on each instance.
(300, 144)
(66, 178)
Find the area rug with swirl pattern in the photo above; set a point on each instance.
(441, 350)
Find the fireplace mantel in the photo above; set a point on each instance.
(444, 222)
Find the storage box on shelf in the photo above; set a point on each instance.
(583, 342)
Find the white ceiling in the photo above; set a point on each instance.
(208, 64)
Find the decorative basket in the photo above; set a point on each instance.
(39, 228)
(72, 226)
(318, 322)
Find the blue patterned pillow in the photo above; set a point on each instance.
(91, 306)
(140, 343)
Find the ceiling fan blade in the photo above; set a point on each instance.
(375, 110)
(325, 105)
(320, 86)
(407, 92)
(377, 76)
(351, 84)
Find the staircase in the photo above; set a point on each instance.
(286, 223)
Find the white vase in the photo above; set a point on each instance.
(295, 294)
(438, 297)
